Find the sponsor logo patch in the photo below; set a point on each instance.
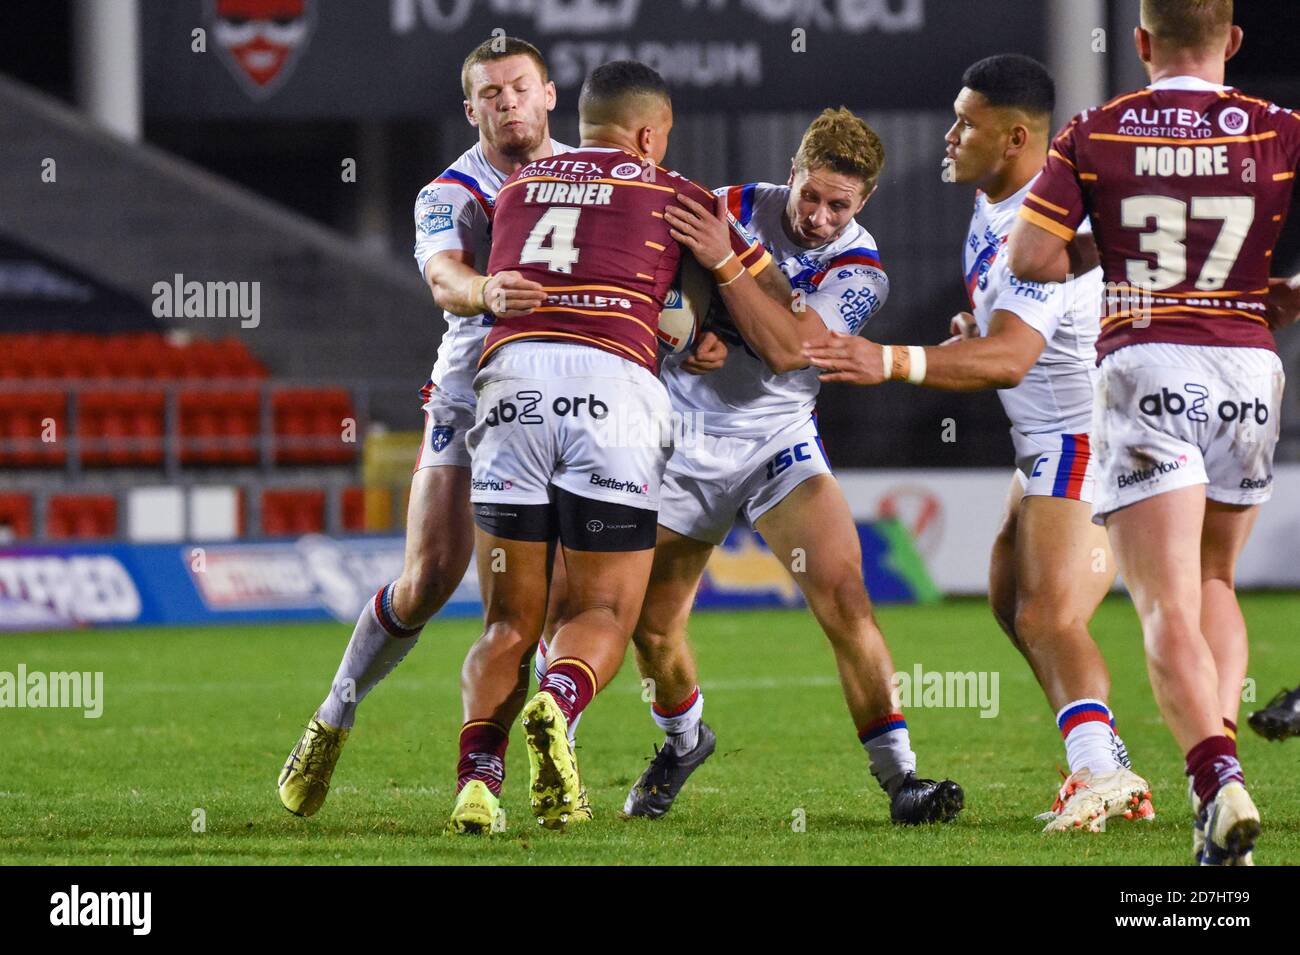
(614, 484)
(1234, 120)
(435, 218)
(1142, 475)
(441, 436)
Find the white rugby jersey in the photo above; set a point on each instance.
(842, 281)
(1056, 393)
(454, 212)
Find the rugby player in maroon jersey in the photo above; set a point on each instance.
(589, 227)
(1186, 182)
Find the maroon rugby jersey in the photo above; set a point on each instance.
(588, 225)
(1187, 185)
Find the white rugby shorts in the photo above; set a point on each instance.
(1056, 464)
(1170, 416)
(573, 416)
(713, 479)
(447, 420)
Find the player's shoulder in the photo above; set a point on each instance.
(857, 251)
(1250, 114)
(460, 182)
(746, 198)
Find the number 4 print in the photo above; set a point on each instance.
(561, 224)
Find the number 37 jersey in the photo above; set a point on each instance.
(589, 227)
(1187, 185)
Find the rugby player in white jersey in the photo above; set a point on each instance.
(759, 456)
(1187, 183)
(1050, 566)
(507, 98)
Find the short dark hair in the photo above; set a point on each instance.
(498, 48)
(1013, 80)
(1187, 24)
(612, 84)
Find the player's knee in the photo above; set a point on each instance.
(655, 642)
(1168, 629)
(840, 598)
(503, 639)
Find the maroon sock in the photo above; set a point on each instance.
(1231, 729)
(482, 755)
(1212, 763)
(572, 683)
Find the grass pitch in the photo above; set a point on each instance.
(197, 723)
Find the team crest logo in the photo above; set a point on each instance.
(261, 40)
(441, 436)
(626, 170)
(1233, 120)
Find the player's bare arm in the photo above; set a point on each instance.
(461, 290)
(997, 360)
(772, 328)
(1037, 255)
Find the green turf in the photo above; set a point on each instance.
(202, 719)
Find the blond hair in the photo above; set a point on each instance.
(498, 48)
(841, 142)
(1187, 24)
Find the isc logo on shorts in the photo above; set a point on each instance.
(1173, 403)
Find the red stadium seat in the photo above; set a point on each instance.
(230, 416)
(309, 426)
(81, 516)
(292, 512)
(33, 417)
(354, 509)
(15, 516)
(124, 415)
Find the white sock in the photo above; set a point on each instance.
(539, 671)
(1090, 739)
(681, 726)
(889, 750)
(372, 653)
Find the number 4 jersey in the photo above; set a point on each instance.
(589, 226)
(1187, 185)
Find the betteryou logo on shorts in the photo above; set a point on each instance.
(1146, 474)
(614, 484)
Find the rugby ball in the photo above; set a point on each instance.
(686, 307)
